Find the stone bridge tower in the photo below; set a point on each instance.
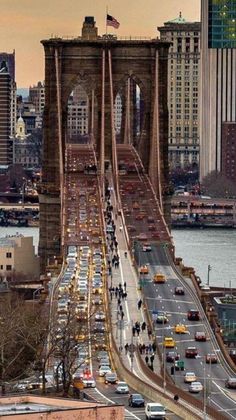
(90, 60)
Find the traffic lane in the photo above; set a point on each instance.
(182, 341)
(109, 392)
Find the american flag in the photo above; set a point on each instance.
(111, 21)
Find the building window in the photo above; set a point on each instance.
(8, 267)
(8, 254)
(1, 267)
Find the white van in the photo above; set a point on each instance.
(155, 411)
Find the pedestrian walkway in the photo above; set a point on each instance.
(130, 325)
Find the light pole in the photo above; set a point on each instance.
(208, 274)
(36, 291)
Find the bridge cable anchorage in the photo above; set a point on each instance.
(102, 157)
(113, 135)
(59, 122)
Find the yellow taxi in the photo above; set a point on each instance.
(169, 343)
(159, 278)
(143, 269)
(180, 329)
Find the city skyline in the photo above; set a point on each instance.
(24, 25)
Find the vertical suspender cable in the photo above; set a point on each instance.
(157, 130)
(59, 122)
(128, 111)
(113, 134)
(127, 114)
(102, 144)
(92, 119)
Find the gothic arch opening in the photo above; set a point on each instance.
(78, 116)
(129, 112)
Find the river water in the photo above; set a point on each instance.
(197, 247)
(200, 247)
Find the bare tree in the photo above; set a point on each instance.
(218, 186)
(19, 338)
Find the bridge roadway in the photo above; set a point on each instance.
(83, 226)
(161, 297)
(79, 232)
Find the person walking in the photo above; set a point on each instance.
(149, 333)
(140, 303)
(152, 357)
(126, 348)
(143, 327)
(125, 285)
(133, 331)
(146, 359)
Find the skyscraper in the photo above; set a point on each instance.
(218, 79)
(6, 151)
(183, 90)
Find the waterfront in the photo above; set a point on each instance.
(200, 247)
(197, 247)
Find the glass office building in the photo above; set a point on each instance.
(222, 24)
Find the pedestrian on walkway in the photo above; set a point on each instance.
(125, 254)
(146, 349)
(118, 302)
(121, 227)
(154, 347)
(146, 359)
(122, 315)
(151, 367)
(149, 331)
(150, 348)
(120, 286)
(125, 286)
(152, 357)
(140, 303)
(121, 308)
(126, 348)
(143, 327)
(124, 295)
(133, 331)
(137, 324)
(140, 347)
(138, 330)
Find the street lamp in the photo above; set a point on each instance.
(208, 274)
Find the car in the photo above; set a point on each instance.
(100, 316)
(195, 387)
(179, 291)
(102, 354)
(97, 300)
(105, 361)
(136, 400)
(200, 336)
(161, 319)
(190, 377)
(122, 388)
(169, 342)
(89, 382)
(191, 352)
(159, 278)
(171, 356)
(104, 369)
(180, 329)
(230, 383)
(155, 411)
(211, 358)
(143, 269)
(111, 378)
(193, 315)
(146, 248)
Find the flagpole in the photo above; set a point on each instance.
(106, 18)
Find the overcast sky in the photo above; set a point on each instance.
(24, 23)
